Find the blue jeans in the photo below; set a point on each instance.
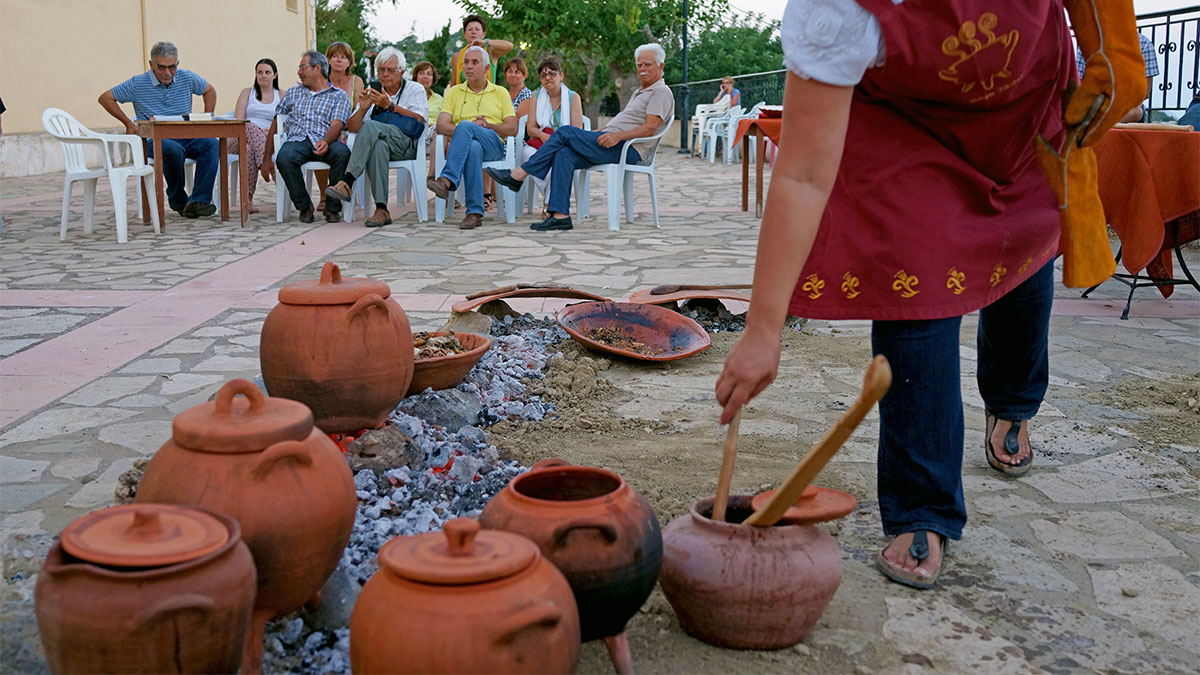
(294, 153)
(569, 149)
(921, 416)
(471, 146)
(204, 151)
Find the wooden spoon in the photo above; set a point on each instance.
(665, 289)
(726, 478)
(875, 384)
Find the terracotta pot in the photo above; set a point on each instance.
(746, 587)
(471, 602)
(113, 605)
(664, 334)
(340, 346)
(443, 372)
(261, 460)
(600, 532)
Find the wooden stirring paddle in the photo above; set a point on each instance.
(875, 384)
(726, 477)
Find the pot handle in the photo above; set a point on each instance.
(559, 538)
(548, 463)
(545, 614)
(296, 451)
(364, 303)
(258, 400)
(330, 274)
(177, 603)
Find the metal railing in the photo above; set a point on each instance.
(754, 87)
(1176, 38)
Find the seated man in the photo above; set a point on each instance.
(167, 90)
(317, 113)
(1137, 114)
(381, 138)
(475, 114)
(571, 148)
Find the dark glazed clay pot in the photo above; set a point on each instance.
(341, 347)
(600, 532)
(747, 587)
(130, 614)
(261, 460)
(471, 602)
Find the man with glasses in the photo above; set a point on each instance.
(317, 113)
(571, 148)
(388, 134)
(167, 89)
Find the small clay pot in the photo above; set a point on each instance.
(464, 601)
(594, 527)
(746, 587)
(114, 607)
(261, 460)
(340, 346)
(443, 372)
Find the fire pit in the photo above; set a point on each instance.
(644, 332)
(443, 372)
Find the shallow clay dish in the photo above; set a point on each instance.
(815, 505)
(665, 335)
(443, 372)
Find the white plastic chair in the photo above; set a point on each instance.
(189, 180)
(716, 131)
(73, 136)
(510, 162)
(703, 112)
(529, 188)
(283, 203)
(410, 176)
(620, 176)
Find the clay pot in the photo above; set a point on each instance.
(146, 588)
(340, 346)
(747, 587)
(664, 334)
(261, 460)
(464, 601)
(443, 372)
(600, 532)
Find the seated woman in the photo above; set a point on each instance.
(426, 75)
(257, 106)
(515, 72)
(554, 105)
(341, 75)
(735, 96)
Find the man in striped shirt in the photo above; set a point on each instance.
(166, 89)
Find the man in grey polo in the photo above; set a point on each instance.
(378, 141)
(166, 89)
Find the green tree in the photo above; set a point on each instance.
(737, 46)
(345, 21)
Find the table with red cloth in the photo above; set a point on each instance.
(762, 129)
(1150, 187)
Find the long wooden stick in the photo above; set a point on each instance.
(875, 384)
(726, 477)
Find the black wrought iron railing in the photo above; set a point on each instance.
(755, 87)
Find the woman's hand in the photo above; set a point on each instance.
(751, 367)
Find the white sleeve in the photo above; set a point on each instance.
(413, 98)
(831, 41)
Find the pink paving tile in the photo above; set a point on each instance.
(52, 298)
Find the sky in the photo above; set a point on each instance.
(395, 20)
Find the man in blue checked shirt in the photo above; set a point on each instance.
(317, 113)
(167, 89)
(1138, 114)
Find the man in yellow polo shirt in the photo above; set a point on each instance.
(475, 114)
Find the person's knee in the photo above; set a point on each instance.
(204, 148)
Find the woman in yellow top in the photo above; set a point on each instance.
(341, 75)
(475, 35)
(426, 75)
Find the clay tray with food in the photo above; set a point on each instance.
(442, 359)
(637, 331)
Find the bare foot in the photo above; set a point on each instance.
(897, 554)
(997, 440)
(519, 173)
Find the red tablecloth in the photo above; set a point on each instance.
(771, 127)
(1150, 187)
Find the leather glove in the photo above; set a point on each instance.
(1114, 68)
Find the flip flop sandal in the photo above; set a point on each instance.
(489, 202)
(1012, 446)
(919, 550)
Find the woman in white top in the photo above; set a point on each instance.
(554, 105)
(257, 106)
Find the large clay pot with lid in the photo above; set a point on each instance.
(464, 601)
(598, 530)
(747, 587)
(260, 460)
(146, 588)
(341, 346)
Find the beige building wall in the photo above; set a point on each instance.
(64, 53)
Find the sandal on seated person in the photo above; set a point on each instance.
(1012, 446)
(919, 550)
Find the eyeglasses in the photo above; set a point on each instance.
(388, 70)
(159, 66)
(548, 73)
(302, 66)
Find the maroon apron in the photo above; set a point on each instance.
(939, 207)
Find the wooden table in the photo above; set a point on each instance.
(219, 129)
(762, 129)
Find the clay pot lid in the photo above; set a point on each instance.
(144, 535)
(460, 554)
(815, 505)
(246, 423)
(332, 289)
